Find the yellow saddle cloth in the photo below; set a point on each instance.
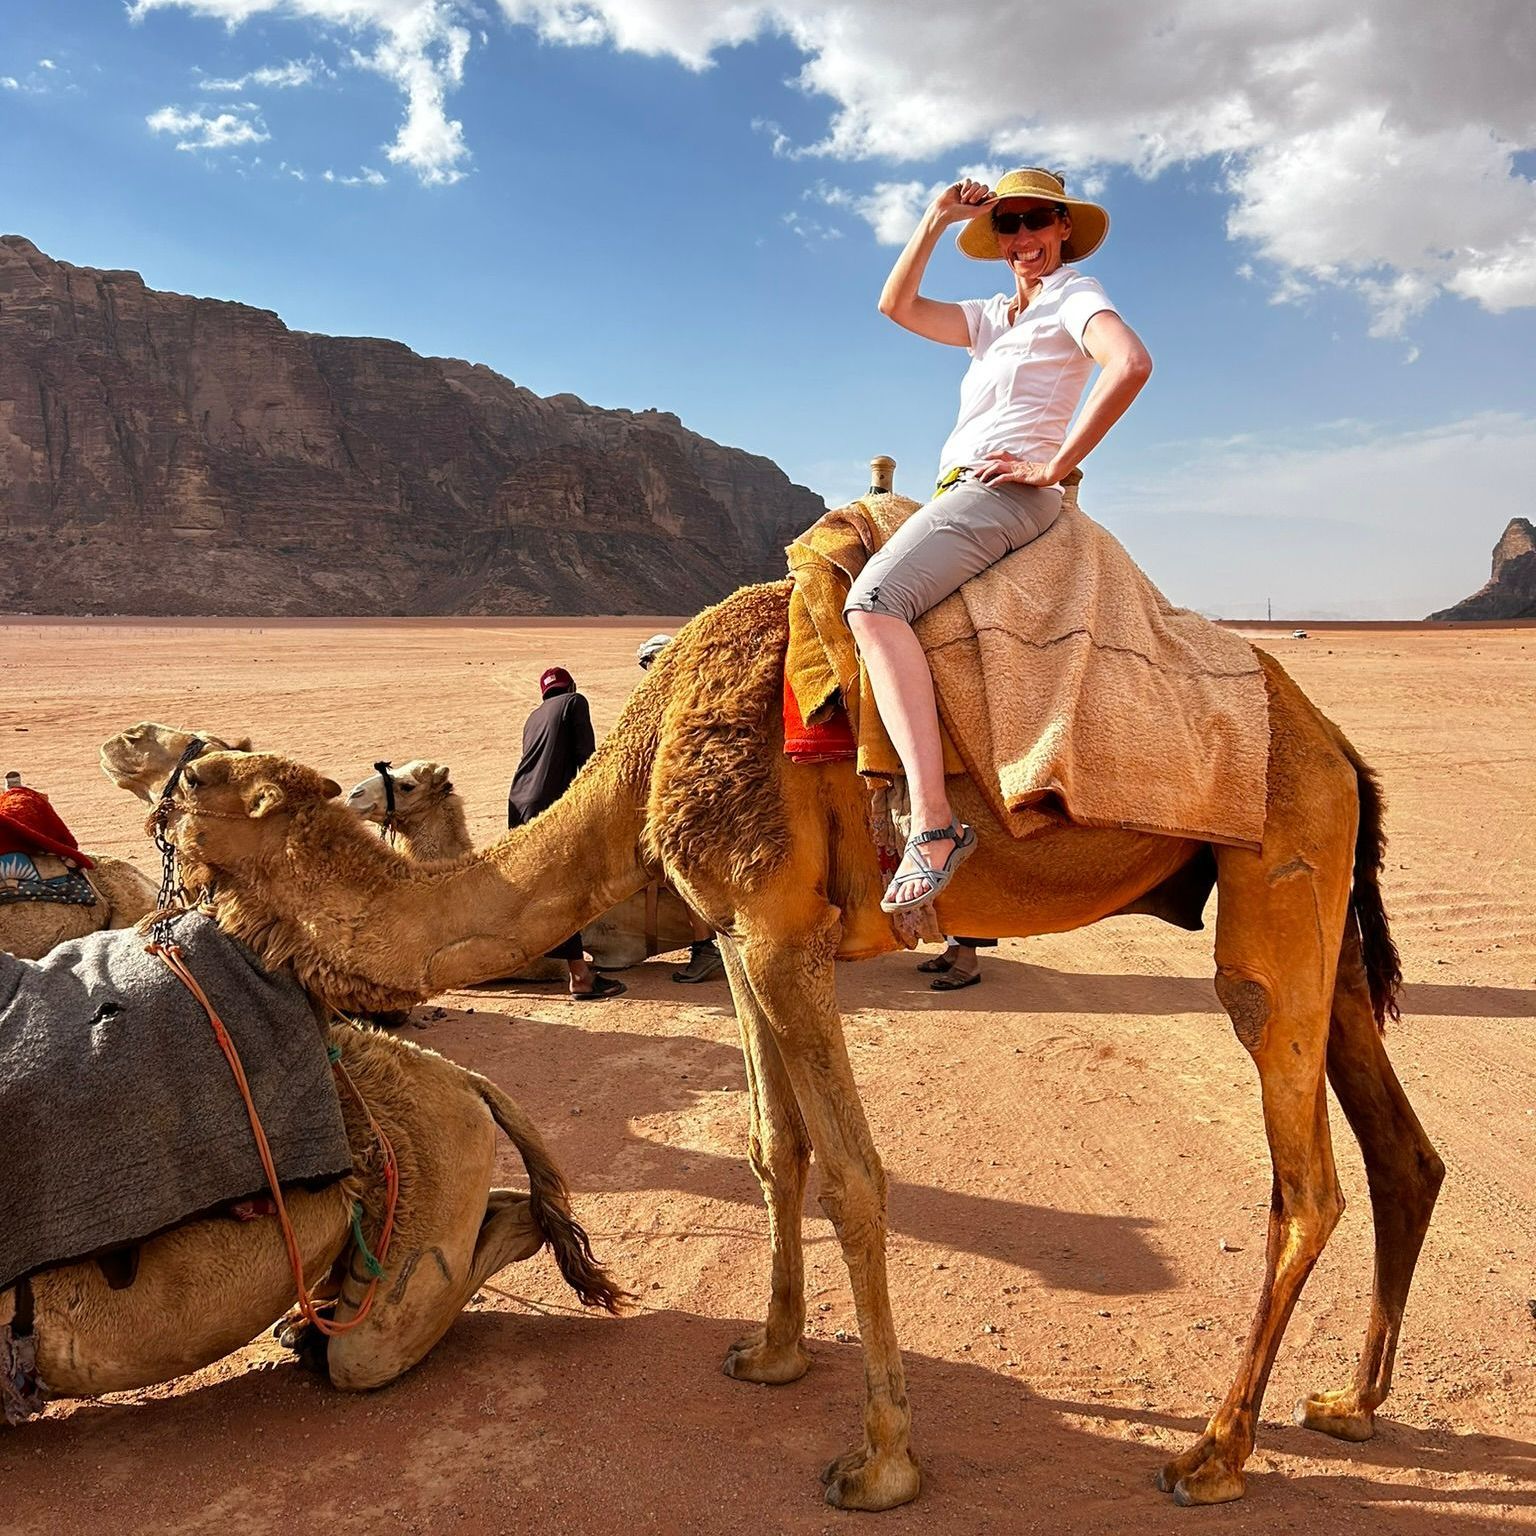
(1066, 682)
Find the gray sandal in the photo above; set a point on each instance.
(934, 880)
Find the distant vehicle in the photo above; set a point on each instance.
(1299, 634)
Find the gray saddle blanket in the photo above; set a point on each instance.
(119, 1115)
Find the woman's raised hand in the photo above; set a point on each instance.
(962, 200)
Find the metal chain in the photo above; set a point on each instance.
(171, 890)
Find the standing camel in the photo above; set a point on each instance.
(778, 858)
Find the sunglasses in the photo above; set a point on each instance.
(1011, 223)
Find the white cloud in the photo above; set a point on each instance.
(809, 230)
(198, 129)
(420, 45)
(46, 64)
(1363, 523)
(279, 76)
(10, 83)
(1371, 146)
(891, 208)
(366, 177)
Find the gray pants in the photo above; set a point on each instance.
(954, 537)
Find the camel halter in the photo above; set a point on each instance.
(162, 945)
(390, 825)
(170, 884)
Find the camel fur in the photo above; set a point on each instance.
(209, 1286)
(778, 858)
(141, 758)
(428, 822)
(29, 929)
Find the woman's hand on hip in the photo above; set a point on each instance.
(962, 201)
(1008, 469)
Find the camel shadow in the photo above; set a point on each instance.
(627, 1424)
(1017, 986)
(590, 1087)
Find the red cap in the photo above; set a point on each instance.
(555, 677)
(29, 824)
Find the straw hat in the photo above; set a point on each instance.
(1090, 223)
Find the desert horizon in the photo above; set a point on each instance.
(1077, 1161)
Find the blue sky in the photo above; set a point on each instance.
(1324, 229)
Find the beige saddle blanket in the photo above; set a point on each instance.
(1066, 682)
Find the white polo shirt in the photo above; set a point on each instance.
(1025, 379)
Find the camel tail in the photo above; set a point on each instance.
(1383, 968)
(549, 1200)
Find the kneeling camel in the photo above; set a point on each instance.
(209, 1286)
(776, 856)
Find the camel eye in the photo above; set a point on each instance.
(407, 789)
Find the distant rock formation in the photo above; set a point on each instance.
(169, 455)
(1510, 593)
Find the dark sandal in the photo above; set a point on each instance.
(603, 987)
(935, 965)
(954, 983)
(964, 839)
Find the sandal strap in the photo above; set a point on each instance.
(935, 835)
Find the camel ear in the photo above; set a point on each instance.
(243, 745)
(439, 777)
(330, 788)
(265, 799)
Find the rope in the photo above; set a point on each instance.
(170, 954)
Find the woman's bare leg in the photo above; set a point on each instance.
(903, 687)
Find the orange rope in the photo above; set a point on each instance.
(171, 955)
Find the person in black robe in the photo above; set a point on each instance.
(557, 740)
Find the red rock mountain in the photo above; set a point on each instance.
(169, 455)
(1510, 593)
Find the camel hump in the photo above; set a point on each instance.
(549, 1201)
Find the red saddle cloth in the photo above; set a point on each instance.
(29, 824)
(829, 742)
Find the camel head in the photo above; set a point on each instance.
(235, 811)
(141, 758)
(419, 785)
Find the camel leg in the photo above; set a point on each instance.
(440, 1256)
(1404, 1174)
(1276, 953)
(793, 979)
(780, 1152)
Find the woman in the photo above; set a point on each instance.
(1032, 352)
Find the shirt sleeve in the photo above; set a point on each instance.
(973, 310)
(1084, 299)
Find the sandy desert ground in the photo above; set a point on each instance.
(1078, 1170)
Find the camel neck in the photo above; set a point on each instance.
(365, 929)
(436, 835)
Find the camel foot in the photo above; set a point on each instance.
(1336, 1413)
(755, 1359)
(306, 1341)
(865, 1479)
(1200, 1476)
